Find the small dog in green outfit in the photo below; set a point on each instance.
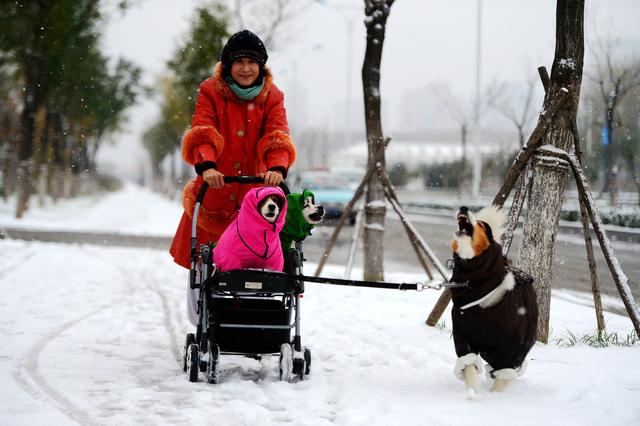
(302, 215)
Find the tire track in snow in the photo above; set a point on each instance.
(29, 377)
(168, 325)
(23, 258)
(35, 383)
(28, 374)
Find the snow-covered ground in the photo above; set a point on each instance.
(131, 210)
(93, 335)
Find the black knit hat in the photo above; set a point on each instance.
(243, 44)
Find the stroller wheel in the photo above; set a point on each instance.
(286, 362)
(193, 362)
(307, 361)
(213, 364)
(191, 338)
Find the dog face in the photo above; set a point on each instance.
(474, 235)
(312, 213)
(270, 207)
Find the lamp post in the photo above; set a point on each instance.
(477, 160)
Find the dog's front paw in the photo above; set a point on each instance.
(473, 394)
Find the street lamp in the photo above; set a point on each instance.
(477, 160)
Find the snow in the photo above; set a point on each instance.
(374, 227)
(93, 335)
(131, 210)
(568, 63)
(376, 204)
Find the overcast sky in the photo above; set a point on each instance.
(427, 42)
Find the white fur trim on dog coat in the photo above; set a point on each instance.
(506, 373)
(463, 361)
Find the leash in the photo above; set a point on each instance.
(371, 284)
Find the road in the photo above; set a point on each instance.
(570, 265)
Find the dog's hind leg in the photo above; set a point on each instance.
(502, 378)
(499, 385)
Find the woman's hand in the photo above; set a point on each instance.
(272, 177)
(214, 178)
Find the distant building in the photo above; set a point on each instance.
(429, 148)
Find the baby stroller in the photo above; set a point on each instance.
(244, 312)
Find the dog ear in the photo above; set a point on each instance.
(279, 201)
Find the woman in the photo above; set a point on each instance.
(239, 128)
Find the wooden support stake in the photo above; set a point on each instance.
(420, 246)
(620, 279)
(520, 195)
(345, 214)
(584, 217)
(355, 238)
(593, 272)
(391, 195)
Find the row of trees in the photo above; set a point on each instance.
(60, 96)
(611, 115)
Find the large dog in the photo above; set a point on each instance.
(302, 215)
(495, 316)
(252, 240)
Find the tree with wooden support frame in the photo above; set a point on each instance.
(376, 181)
(541, 168)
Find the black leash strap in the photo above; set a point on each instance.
(356, 283)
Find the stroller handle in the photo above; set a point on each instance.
(238, 179)
(228, 179)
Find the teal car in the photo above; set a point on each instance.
(331, 191)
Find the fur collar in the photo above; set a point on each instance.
(483, 273)
(222, 87)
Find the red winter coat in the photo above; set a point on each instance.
(241, 138)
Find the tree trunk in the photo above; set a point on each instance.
(549, 176)
(376, 12)
(9, 170)
(32, 100)
(27, 173)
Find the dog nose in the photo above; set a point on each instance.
(464, 210)
(321, 210)
(272, 207)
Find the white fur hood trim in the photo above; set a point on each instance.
(494, 216)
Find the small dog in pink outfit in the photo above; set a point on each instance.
(252, 240)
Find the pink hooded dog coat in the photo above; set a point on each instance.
(250, 241)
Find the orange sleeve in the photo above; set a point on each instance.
(203, 142)
(275, 148)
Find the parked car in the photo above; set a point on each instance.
(331, 190)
